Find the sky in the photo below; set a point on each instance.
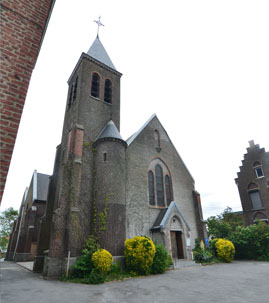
(202, 66)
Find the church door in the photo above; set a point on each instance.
(177, 244)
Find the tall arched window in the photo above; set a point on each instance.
(151, 188)
(159, 185)
(168, 190)
(108, 91)
(95, 85)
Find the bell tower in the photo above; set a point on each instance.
(93, 100)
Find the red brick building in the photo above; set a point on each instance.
(253, 184)
(23, 26)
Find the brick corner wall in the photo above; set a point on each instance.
(22, 28)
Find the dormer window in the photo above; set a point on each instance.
(108, 91)
(95, 85)
(258, 170)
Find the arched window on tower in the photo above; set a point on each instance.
(151, 188)
(95, 85)
(108, 91)
(159, 185)
(168, 190)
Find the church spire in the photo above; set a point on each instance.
(97, 50)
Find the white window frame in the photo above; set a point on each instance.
(259, 167)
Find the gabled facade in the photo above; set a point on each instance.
(105, 186)
(253, 184)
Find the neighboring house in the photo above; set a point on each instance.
(253, 184)
(109, 187)
(23, 26)
(26, 229)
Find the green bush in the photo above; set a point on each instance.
(160, 261)
(169, 261)
(95, 277)
(83, 265)
(139, 253)
(225, 250)
(212, 247)
(251, 242)
(200, 254)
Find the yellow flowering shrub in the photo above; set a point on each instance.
(102, 260)
(139, 254)
(225, 250)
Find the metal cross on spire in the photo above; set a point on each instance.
(99, 23)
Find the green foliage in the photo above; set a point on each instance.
(103, 215)
(102, 260)
(160, 261)
(139, 254)
(212, 247)
(252, 242)
(225, 250)
(95, 277)
(201, 254)
(169, 261)
(84, 265)
(223, 225)
(7, 219)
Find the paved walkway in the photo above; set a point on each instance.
(238, 282)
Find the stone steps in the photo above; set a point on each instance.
(180, 263)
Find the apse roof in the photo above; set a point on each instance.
(98, 52)
(109, 131)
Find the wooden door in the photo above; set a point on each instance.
(177, 244)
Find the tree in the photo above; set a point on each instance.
(7, 219)
(222, 225)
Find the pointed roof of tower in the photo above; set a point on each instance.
(109, 131)
(98, 52)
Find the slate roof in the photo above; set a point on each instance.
(40, 186)
(132, 138)
(98, 52)
(164, 216)
(109, 131)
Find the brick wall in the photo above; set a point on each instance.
(23, 25)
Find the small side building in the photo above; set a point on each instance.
(25, 234)
(253, 184)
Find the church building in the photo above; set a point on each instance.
(109, 187)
